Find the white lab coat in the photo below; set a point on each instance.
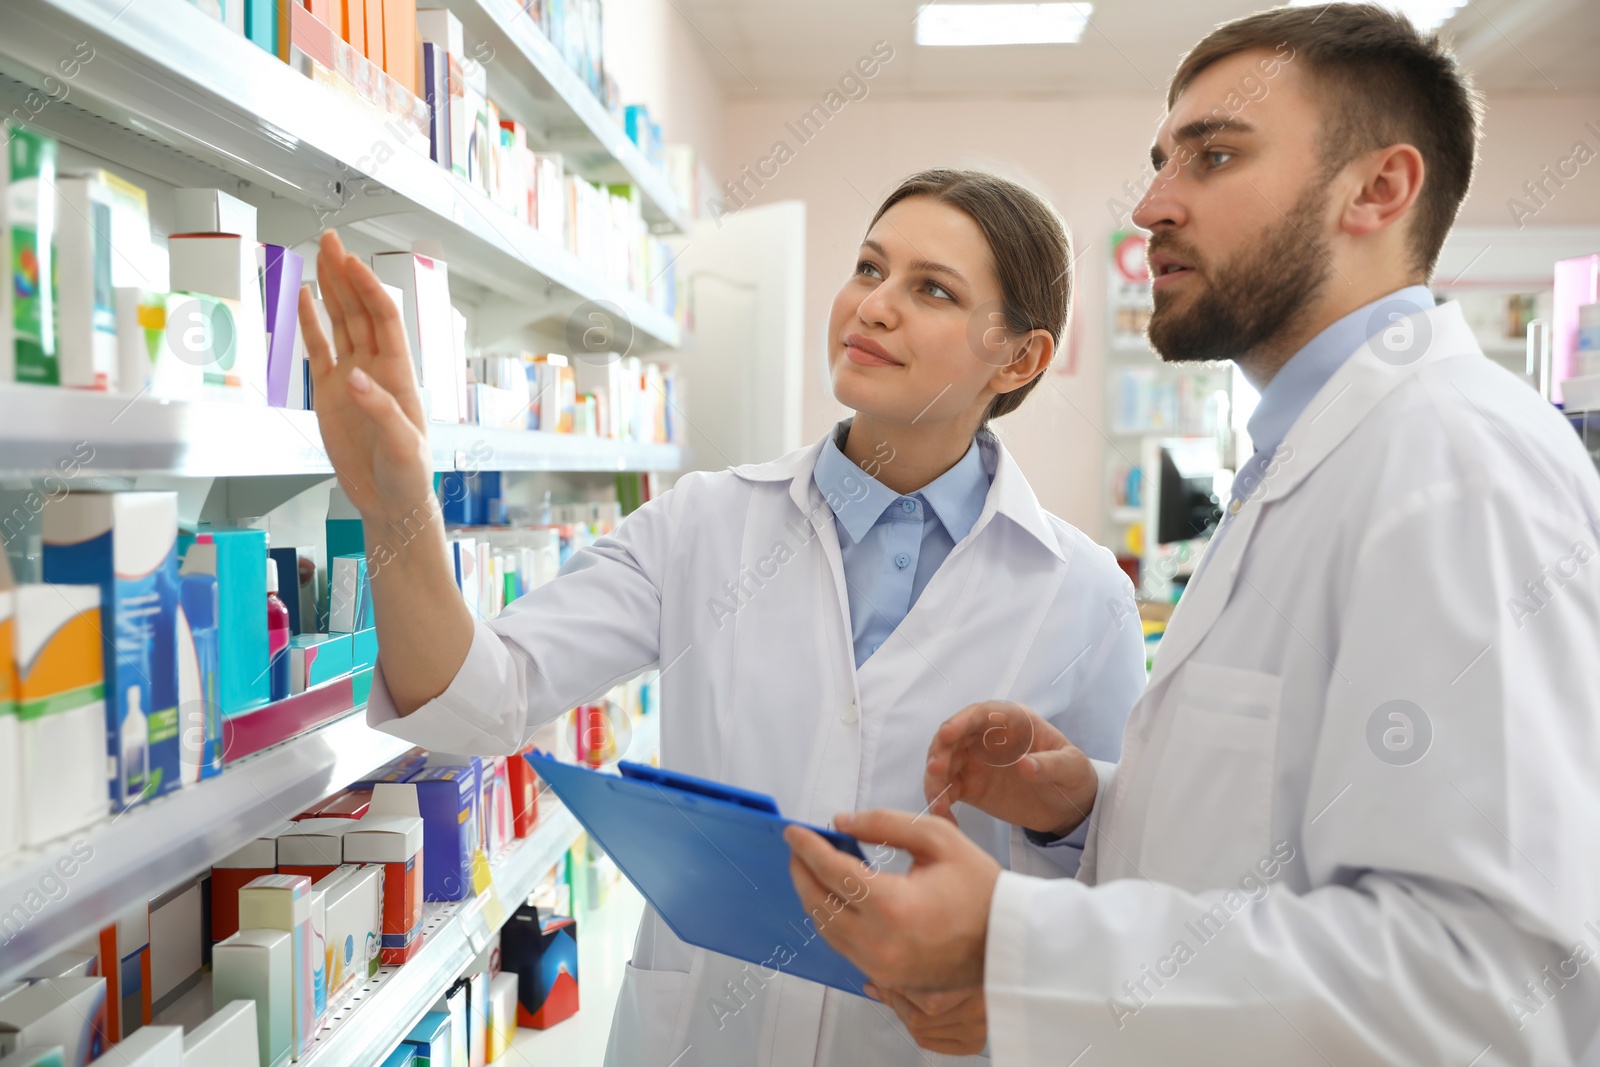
(740, 600)
(1271, 890)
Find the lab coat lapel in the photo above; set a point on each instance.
(1338, 408)
(1205, 598)
(815, 511)
(814, 523)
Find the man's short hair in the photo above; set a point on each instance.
(1381, 82)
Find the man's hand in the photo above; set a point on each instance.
(954, 1023)
(1006, 760)
(923, 931)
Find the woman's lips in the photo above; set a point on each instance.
(866, 352)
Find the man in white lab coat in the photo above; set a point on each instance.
(1357, 814)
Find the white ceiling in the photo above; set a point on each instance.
(776, 48)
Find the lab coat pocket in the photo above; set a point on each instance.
(1210, 814)
(646, 1029)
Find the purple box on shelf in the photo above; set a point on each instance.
(446, 799)
(281, 270)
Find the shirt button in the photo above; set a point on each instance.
(909, 505)
(1233, 508)
(902, 561)
(850, 715)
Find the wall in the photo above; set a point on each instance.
(1079, 153)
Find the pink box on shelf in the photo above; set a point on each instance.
(283, 719)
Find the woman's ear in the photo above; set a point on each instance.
(1030, 358)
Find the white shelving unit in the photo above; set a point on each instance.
(363, 1031)
(529, 74)
(172, 95)
(42, 426)
(147, 850)
(176, 95)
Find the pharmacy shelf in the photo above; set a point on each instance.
(527, 70)
(377, 1016)
(361, 1032)
(45, 430)
(147, 850)
(535, 450)
(174, 94)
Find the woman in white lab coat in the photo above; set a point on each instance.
(814, 618)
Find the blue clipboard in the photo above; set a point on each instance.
(710, 859)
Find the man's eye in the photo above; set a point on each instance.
(1217, 159)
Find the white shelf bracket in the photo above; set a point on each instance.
(501, 317)
(289, 222)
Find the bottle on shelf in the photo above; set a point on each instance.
(135, 745)
(278, 632)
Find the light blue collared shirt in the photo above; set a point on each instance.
(1298, 381)
(891, 545)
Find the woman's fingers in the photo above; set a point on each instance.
(379, 405)
(392, 349)
(328, 256)
(345, 308)
(318, 352)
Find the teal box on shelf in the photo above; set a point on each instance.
(318, 658)
(244, 680)
(127, 544)
(261, 23)
(454, 1005)
(431, 1037)
(364, 649)
(404, 1056)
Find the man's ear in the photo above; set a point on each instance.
(1030, 358)
(1391, 180)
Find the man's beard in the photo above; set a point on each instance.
(1246, 304)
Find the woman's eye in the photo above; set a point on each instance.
(868, 269)
(934, 289)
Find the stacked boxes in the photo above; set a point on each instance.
(258, 965)
(65, 1012)
(126, 543)
(255, 859)
(60, 712)
(446, 799)
(353, 909)
(395, 842)
(283, 902)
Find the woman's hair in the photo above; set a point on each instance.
(1029, 244)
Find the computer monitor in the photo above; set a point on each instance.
(1186, 501)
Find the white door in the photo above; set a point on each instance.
(744, 358)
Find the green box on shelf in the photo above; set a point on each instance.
(360, 686)
(30, 210)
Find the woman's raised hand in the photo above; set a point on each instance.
(365, 390)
